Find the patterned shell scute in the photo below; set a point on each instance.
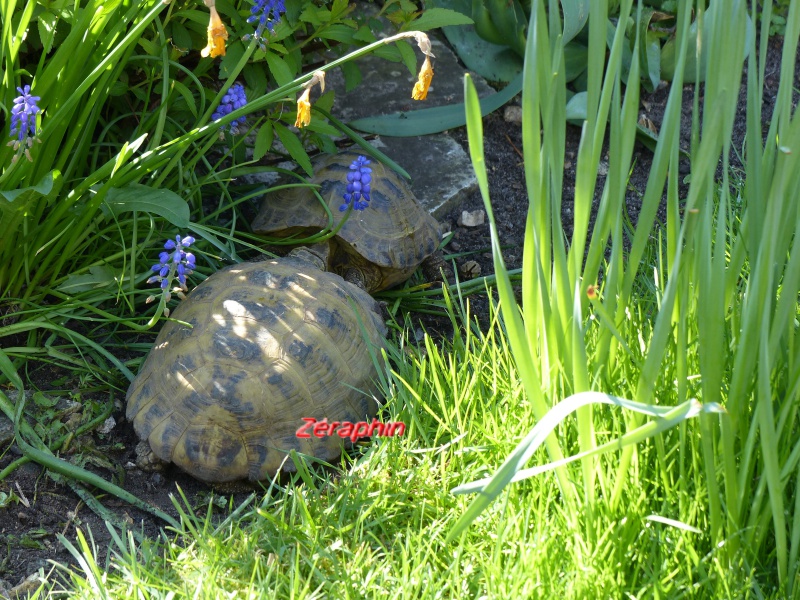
(268, 344)
(395, 231)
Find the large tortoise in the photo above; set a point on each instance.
(376, 248)
(268, 344)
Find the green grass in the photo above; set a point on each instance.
(377, 527)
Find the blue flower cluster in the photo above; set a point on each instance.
(358, 180)
(177, 263)
(234, 99)
(268, 14)
(23, 114)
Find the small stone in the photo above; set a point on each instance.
(454, 246)
(107, 426)
(471, 218)
(470, 269)
(513, 114)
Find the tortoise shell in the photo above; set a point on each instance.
(266, 345)
(385, 243)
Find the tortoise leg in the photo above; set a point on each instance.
(147, 460)
(436, 269)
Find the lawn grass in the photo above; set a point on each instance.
(376, 528)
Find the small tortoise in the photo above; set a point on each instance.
(269, 344)
(376, 248)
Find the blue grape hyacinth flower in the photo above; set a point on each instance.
(268, 14)
(176, 264)
(234, 99)
(23, 122)
(358, 180)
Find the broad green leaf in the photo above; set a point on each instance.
(576, 107)
(19, 202)
(97, 277)
(264, 139)
(325, 101)
(364, 34)
(408, 55)
(180, 36)
(340, 33)
(47, 30)
(352, 75)
(233, 54)
(576, 59)
(495, 62)
(149, 47)
(138, 197)
(279, 69)
(576, 13)
(433, 120)
(294, 147)
(256, 79)
(691, 71)
(433, 18)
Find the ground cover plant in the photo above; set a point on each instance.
(698, 501)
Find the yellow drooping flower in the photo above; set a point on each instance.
(303, 109)
(217, 34)
(304, 101)
(420, 91)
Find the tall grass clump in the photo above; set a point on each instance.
(727, 277)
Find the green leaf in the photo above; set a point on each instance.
(325, 101)
(264, 139)
(180, 36)
(433, 120)
(138, 197)
(19, 202)
(433, 18)
(256, 79)
(10, 373)
(494, 62)
(576, 13)
(279, 69)
(97, 277)
(693, 73)
(576, 59)
(340, 33)
(47, 30)
(233, 55)
(408, 55)
(148, 46)
(294, 147)
(187, 96)
(352, 76)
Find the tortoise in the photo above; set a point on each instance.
(376, 248)
(267, 344)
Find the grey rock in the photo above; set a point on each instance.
(513, 114)
(472, 218)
